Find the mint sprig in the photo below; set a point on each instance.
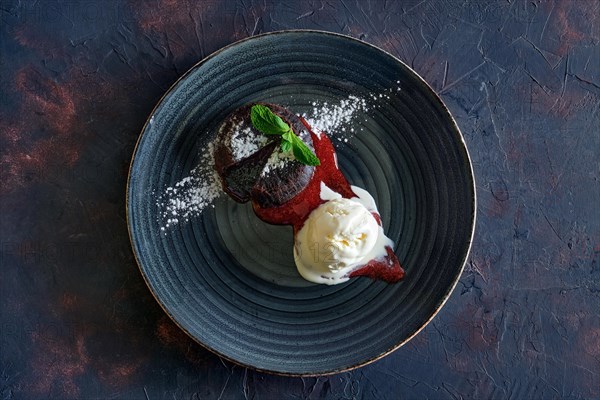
(266, 121)
(303, 153)
(269, 123)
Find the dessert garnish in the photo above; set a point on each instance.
(270, 123)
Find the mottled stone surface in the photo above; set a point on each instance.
(77, 81)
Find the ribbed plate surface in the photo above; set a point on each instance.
(229, 279)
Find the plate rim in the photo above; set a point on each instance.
(471, 177)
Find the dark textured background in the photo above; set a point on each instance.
(77, 81)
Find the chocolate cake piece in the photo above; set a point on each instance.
(253, 167)
(241, 153)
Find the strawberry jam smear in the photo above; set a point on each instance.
(296, 211)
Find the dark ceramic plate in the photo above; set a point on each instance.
(229, 280)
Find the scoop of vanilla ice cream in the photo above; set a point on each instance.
(336, 236)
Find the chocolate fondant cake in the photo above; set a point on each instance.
(253, 166)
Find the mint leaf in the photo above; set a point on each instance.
(288, 136)
(286, 145)
(303, 153)
(266, 121)
(287, 140)
(269, 123)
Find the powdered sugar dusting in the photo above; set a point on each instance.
(329, 117)
(244, 141)
(192, 194)
(338, 120)
(277, 160)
